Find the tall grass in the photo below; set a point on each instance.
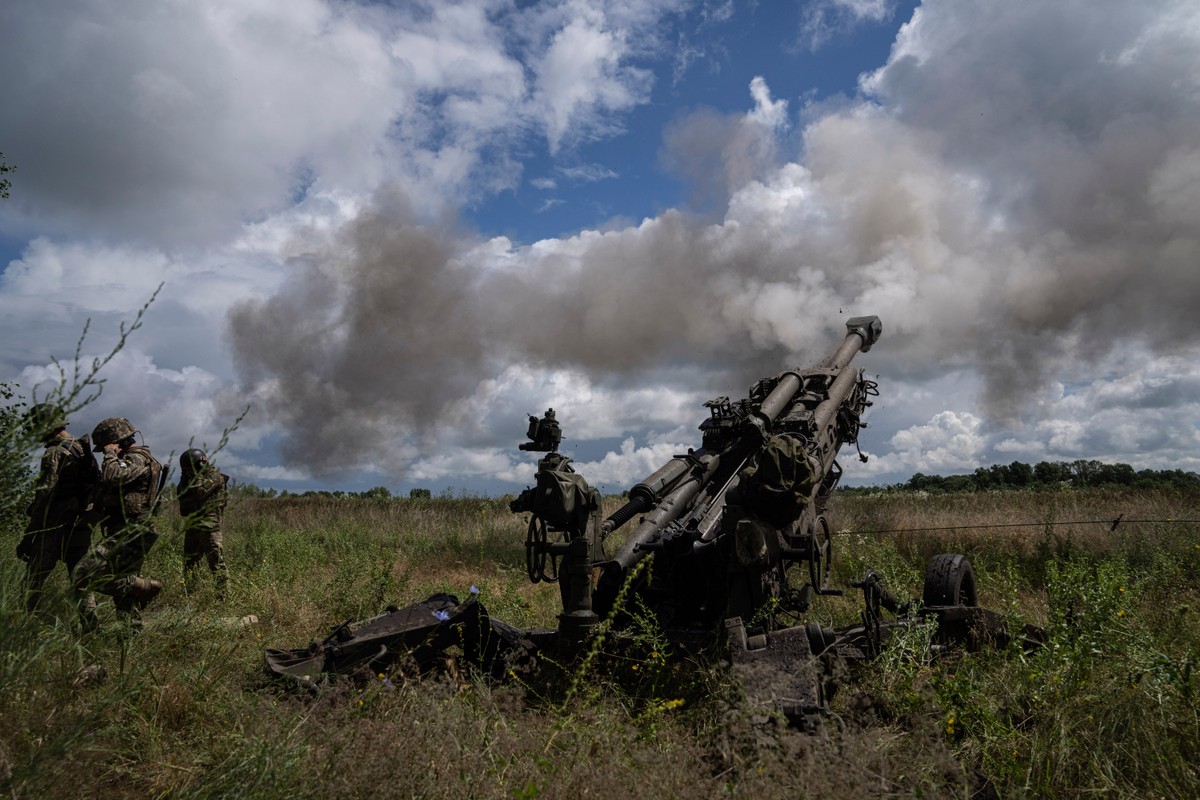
(1108, 707)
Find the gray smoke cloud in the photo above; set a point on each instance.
(1014, 191)
(1081, 122)
(369, 338)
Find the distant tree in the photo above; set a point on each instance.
(252, 490)
(5, 183)
(415, 494)
(1167, 478)
(1046, 472)
(984, 478)
(1115, 475)
(1079, 474)
(377, 493)
(1019, 474)
(959, 483)
(1084, 471)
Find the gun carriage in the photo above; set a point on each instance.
(727, 545)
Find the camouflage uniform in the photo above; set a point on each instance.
(202, 497)
(55, 532)
(124, 499)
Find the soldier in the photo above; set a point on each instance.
(64, 485)
(202, 493)
(124, 501)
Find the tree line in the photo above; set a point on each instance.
(1078, 474)
(374, 493)
(1058, 475)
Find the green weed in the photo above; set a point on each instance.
(1107, 707)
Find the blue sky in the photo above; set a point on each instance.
(390, 231)
(758, 39)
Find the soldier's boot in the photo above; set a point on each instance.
(140, 591)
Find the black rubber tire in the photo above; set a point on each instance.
(950, 581)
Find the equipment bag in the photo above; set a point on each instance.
(778, 484)
(562, 499)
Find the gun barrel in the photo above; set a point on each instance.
(680, 494)
(677, 501)
(842, 385)
(647, 494)
(861, 333)
(779, 398)
(662, 480)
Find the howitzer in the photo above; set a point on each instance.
(741, 543)
(725, 522)
(727, 544)
(734, 514)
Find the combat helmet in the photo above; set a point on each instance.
(44, 419)
(111, 431)
(192, 459)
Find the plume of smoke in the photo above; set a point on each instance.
(370, 337)
(1007, 197)
(1079, 121)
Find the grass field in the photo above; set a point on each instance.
(1107, 708)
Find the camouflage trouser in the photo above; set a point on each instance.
(67, 543)
(203, 545)
(112, 565)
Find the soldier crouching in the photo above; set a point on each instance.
(124, 501)
(202, 494)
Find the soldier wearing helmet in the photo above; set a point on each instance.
(61, 495)
(202, 494)
(125, 499)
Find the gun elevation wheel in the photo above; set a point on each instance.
(537, 553)
(949, 581)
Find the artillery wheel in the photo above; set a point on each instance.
(949, 581)
(820, 554)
